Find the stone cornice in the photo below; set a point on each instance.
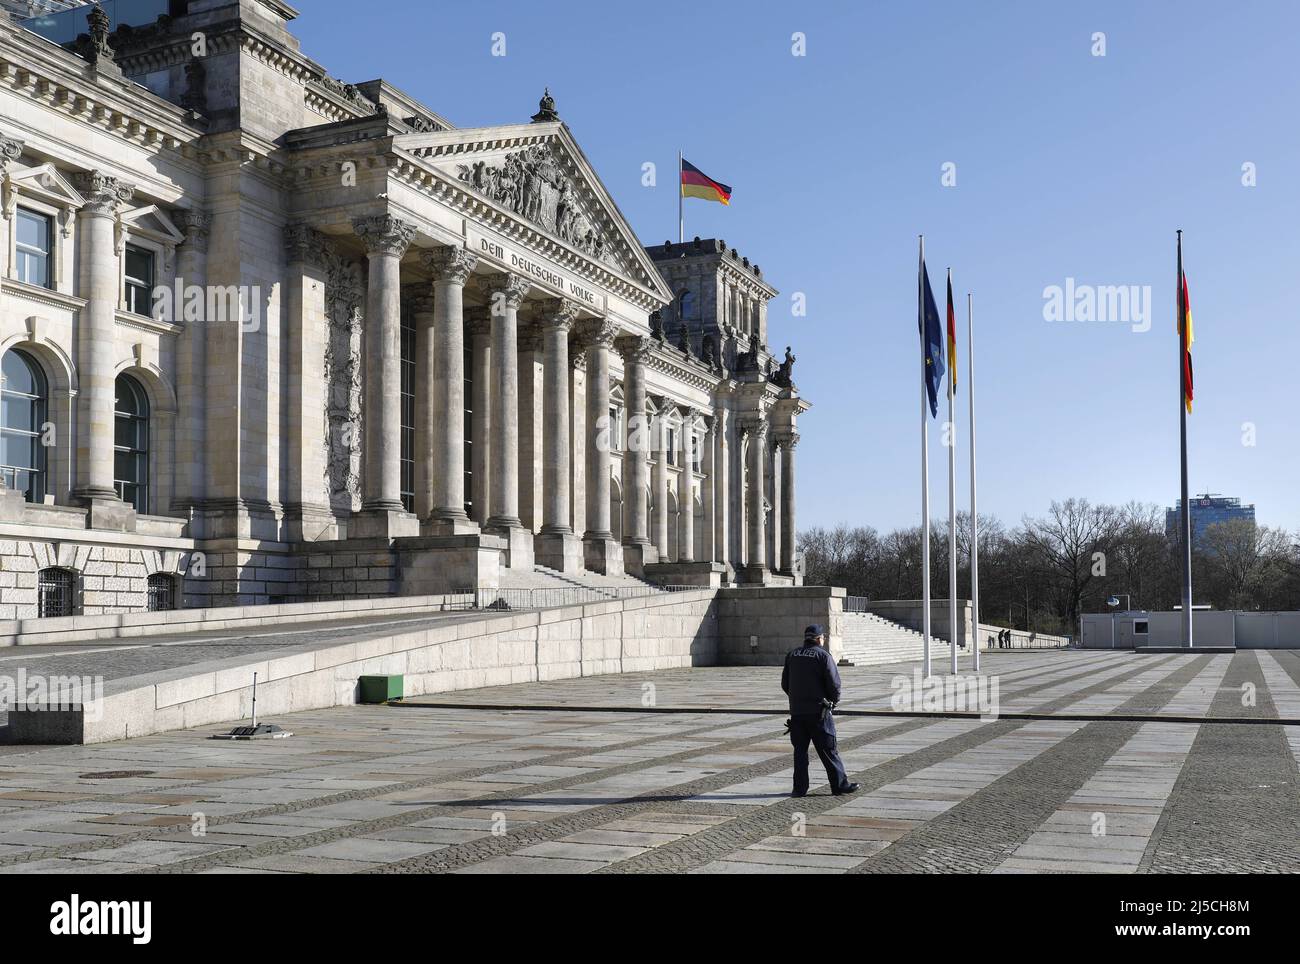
(42, 296)
(693, 373)
(44, 72)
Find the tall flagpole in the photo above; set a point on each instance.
(950, 436)
(1182, 428)
(925, 465)
(681, 221)
(974, 513)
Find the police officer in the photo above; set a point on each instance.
(809, 678)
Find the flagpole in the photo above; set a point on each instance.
(681, 221)
(974, 514)
(1182, 429)
(950, 436)
(925, 466)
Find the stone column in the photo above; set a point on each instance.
(529, 360)
(659, 516)
(506, 294)
(450, 268)
(756, 560)
(686, 489)
(100, 285)
(480, 327)
(721, 486)
(638, 551)
(709, 490)
(192, 367)
(308, 515)
(557, 546)
(386, 239)
(600, 552)
(788, 446)
(577, 436)
(422, 309)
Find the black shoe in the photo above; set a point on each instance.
(799, 794)
(851, 788)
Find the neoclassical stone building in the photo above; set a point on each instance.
(269, 336)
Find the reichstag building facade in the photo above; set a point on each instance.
(269, 336)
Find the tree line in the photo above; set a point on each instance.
(1041, 574)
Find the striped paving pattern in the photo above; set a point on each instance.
(1091, 768)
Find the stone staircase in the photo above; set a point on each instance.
(870, 640)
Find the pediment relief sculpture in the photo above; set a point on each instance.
(532, 183)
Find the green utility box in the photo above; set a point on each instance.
(381, 689)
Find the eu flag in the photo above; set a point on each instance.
(931, 342)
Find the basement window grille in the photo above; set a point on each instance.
(54, 589)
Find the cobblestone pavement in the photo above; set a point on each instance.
(1090, 768)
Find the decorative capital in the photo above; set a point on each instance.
(505, 291)
(304, 244)
(195, 225)
(558, 314)
(449, 264)
(635, 349)
(422, 304)
(384, 234)
(104, 193)
(577, 360)
(600, 333)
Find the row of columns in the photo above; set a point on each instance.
(495, 378)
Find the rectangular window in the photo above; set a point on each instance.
(672, 446)
(1140, 627)
(139, 279)
(615, 432)
(33, 248)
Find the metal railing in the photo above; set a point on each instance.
(857, 604)
(1020, 639)
(505, 600)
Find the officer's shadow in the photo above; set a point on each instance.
(597, 801)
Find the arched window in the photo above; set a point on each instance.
(685, 306)
(131, 438)
(162, 592)
(23, 400)
(55, 592)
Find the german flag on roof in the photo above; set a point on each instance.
(695, 183)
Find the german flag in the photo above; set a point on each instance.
(695, 183)
(1185, 308)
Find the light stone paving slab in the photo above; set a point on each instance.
(421, 789)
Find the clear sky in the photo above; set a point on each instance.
(1068, 165)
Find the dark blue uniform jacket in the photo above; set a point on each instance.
(809, 676)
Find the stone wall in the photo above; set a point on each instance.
(759, 626)
(110, 579)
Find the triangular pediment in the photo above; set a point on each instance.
(153, 220)
(43, 181)
(537, 174)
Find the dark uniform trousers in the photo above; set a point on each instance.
(821, 731)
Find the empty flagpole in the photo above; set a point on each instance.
(950, 436)
(1182, 428)
(681, 220)
(925, 464)
(974, 514)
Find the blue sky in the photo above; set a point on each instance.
(1067, 165)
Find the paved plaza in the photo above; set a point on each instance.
(1099, 762)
